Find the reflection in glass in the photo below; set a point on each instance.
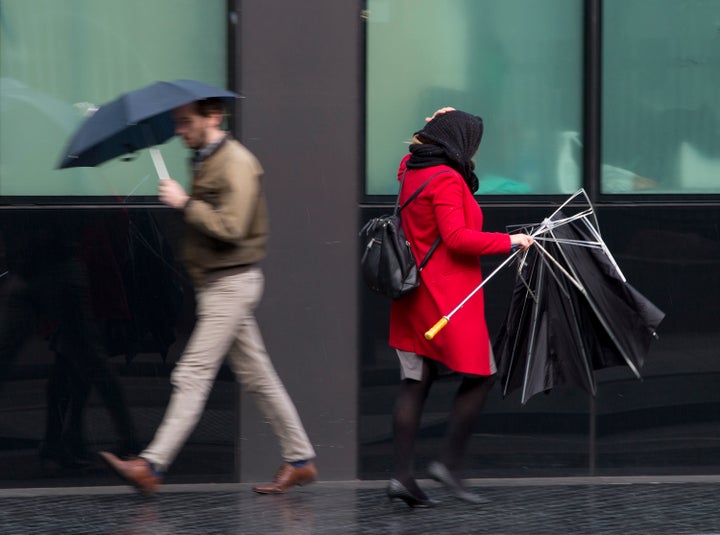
(54, 287)
(79, 288)
(59, 60)
(661, 112)
(516, 63)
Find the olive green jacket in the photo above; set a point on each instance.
(226, 216)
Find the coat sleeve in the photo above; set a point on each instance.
(456, 227)
(230, 216)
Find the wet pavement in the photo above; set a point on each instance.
(642, 505)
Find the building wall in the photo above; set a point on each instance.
(301, 116)
(300, 68)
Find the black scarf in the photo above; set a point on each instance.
(452, 139)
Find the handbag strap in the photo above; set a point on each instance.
(415, 194)
(431, 251)
(411, 198)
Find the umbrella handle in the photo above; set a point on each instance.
(439, 326)
(442, 322)
(159, 163)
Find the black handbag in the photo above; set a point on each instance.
(387, 263)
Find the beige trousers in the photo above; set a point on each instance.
(226, 326)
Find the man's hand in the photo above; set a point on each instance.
(172, 193)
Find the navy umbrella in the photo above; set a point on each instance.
(135, 120)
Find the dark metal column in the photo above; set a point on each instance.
(298, 68)
(592, 153)
(592, 105)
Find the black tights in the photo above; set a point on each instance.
(467, 405)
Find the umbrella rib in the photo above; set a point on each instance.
(531, 344)
(527, 287)
(605, 249)
(579, 192)
(132, 192)
(579, 243)
(556, 278)
(516, 341)
(549, 223)
(572, 279)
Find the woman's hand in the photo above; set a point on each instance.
(438, 112)
(523, 241)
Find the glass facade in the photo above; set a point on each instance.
(60, 60)
(661, 112)
(665, 424)
(519, 63)
(95, 311)
(523, 66)
(516, 63)
(95, 308)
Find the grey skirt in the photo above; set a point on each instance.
(411, 365)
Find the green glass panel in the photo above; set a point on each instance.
(661, 110)
(516, 63)
(60, 58)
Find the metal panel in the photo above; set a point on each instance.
(298, 68)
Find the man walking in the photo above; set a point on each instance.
(227, 232)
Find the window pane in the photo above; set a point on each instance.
(660, 96)
(516, 63)
(57, 59)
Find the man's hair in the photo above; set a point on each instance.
(210, 106)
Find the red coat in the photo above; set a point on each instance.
(445, 206)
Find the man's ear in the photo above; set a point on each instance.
(216, 119)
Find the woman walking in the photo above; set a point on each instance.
(443, 151)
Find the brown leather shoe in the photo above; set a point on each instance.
(137, 472)
(287, 477)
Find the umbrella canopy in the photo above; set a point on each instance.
(137, 119)
(572, 311)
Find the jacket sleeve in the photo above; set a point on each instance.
(456, 231)
(229, 216)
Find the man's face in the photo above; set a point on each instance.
(191, 126)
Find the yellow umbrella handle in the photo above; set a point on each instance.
(439, 326)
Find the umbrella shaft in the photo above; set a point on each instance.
(479, 286)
